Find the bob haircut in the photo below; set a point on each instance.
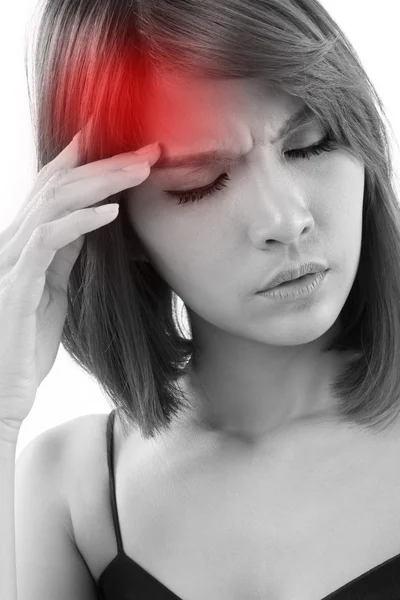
(95, 61)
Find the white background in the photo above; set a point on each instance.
(68, 392)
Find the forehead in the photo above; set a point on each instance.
(192, 113)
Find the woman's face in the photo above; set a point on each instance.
(216, 254)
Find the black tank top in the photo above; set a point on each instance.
(124, 579)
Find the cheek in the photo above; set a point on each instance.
(341, 192)
(353, 184)
(342, 221)
(151, 218)
(171, 235)
(166, 228)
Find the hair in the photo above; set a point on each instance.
(97, 61)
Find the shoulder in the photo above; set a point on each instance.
(84, 443)
(75, 450)
(63, 449)
(65, 438)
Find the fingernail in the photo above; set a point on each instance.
(87, 127)
(149, 149)
(136, 167)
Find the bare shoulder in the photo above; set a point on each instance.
(60, 479)
(86, 444)
(66, 448)
(76, 450)
(88, 491)
(65, 440)
(86, 430)
(86, 464)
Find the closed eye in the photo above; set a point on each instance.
(327, 144)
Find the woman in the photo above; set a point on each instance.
(257, 458)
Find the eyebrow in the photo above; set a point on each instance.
(211, 157)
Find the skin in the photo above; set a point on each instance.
(260, 362)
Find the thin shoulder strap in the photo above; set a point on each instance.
(110, 462)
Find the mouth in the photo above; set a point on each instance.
(293, 282)
(302, 279)
(295, 273)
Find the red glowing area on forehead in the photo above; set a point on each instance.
(223, 118)
(192, 116)
(189, 115)
(185, 115)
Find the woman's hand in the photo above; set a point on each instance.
(37, 253)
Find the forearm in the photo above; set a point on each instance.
(8, 576)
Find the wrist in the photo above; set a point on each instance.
(9, 432)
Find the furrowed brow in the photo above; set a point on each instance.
(215, 157)
(199, 160)
(302, 116)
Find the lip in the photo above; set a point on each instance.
(294, 273)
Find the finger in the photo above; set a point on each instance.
(57, 200)
(113, 163)
(28, 276)
(68, 158)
